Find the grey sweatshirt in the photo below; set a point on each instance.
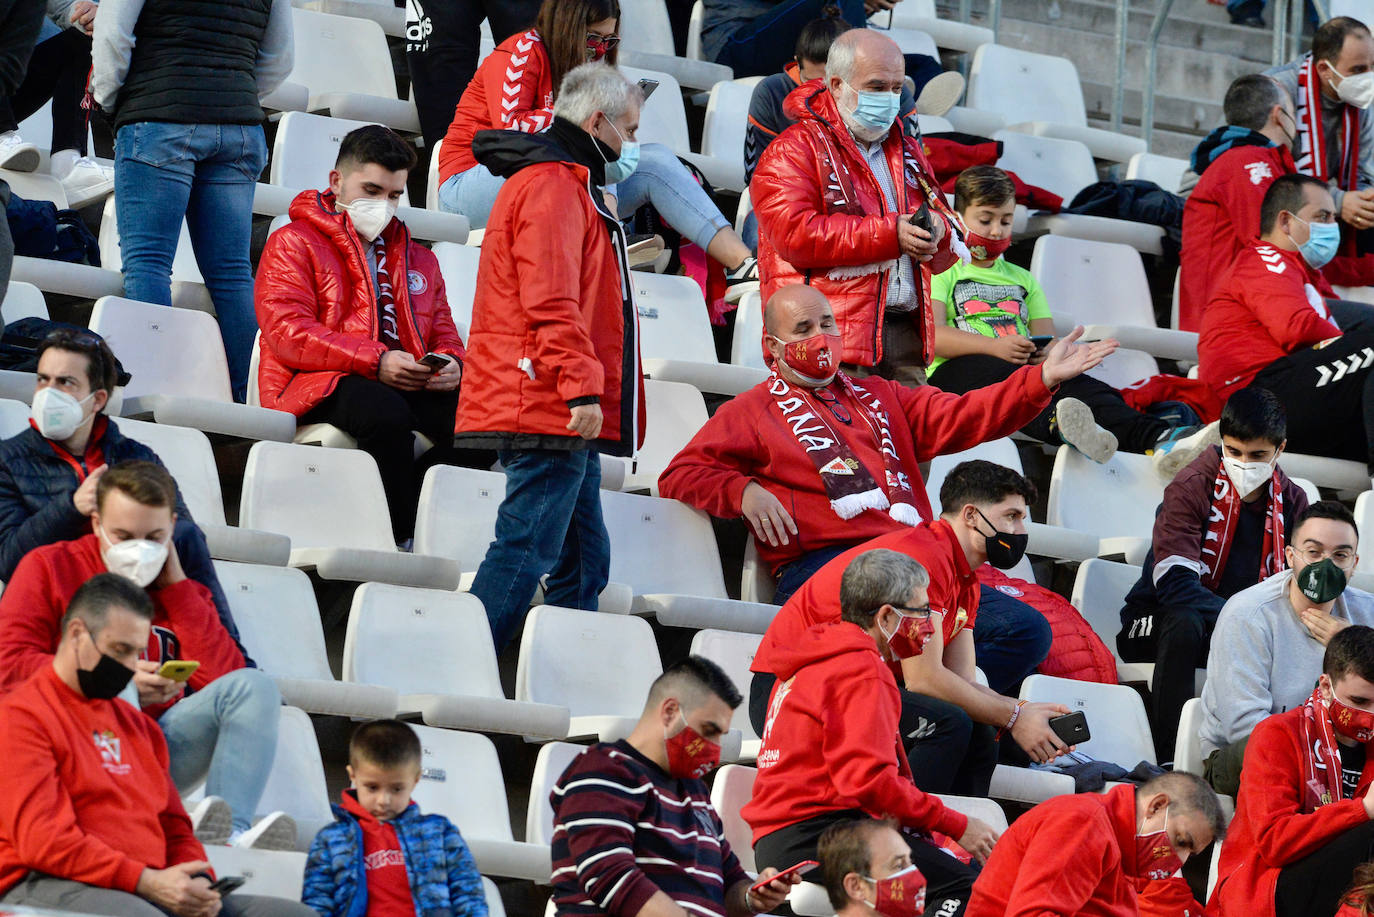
(1286, 75)
(1263, 660)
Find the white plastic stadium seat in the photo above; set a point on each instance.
(390, 17)
(296, 783)
(458, 266)
(1364, 519)
(675, 337)
(1041, 94)
(663, 119)
(460, 777)
(495, 907)
(1116, 716)
(647, 41)
(435, 649)
(331, 504)
(188, 286)
(694, 32)
(14, 417)
(1188, 745)
(22, 300)
(727, 117)
(187, 455)
(734, 653)
(1165, 171)
(1115, 501)
(746, 347)
(933, 124)
(345, 63)
(1347, 476)
(920, 14)
(553, 760)
(676, 412)
(279, 624)
(756, 580)
(180, 374)
(270, 873)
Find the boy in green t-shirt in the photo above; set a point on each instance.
(988, 315)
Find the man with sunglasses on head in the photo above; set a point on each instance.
(1269, 640)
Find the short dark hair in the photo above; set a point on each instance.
(1254, 413)
(692, 681)
(982, 185)
(101, 370)
(374, 143)
(385, 744)
(1350, 652)
(94, 599)
(1284, 194)
(1325, 509)
(1190, 793)
(144, 482)
(1330, 37)
(1250, 99)
(813, 44)
(977, 481)
(845, 847)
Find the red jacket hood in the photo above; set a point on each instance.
(811, 101)
(819, 642)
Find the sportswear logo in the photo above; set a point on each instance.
(1008, 589)
(107, 743)
(1345, 366)
(924, 729)
(1259, 171)
(1273, 260)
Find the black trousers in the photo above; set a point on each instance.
(381, 419)
(1134, 431)
(1315, 884)
(1176, 641)
(443, 47)
(948, 881)
(1328, 393)
(57, 70)
(947, 751)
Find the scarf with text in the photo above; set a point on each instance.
(1221, 526)
(388, 327)
(1313, 160)
(1321, 766)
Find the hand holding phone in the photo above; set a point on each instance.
(178, 669)
(1041, 341)
(1072, 728)
(436, 361)
(800, 869)
(647, 87)
(226, 884)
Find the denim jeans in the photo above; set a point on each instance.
(550, 522)
(206, 173)
(660, 180)
(1010, 638)
(226, 735)
(794, 574)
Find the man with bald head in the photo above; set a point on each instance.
(817, 461)
(846, 203)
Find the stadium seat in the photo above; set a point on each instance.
(647, 42)
(933, 124)
(727, 117)
(676, 412)
(746, 347)
(288, 96)
(1188, 745)
(756, 580)
(331, 504)
(458, 266)
(22, 300)
(975, 121)
(296, 784)
(187, 454)
(689, 589)
(732, 787)
(495, 907)
(81, 280)
(460, 777)
(180, 374)
(735, 654)
(1165, 171)
(1072, 272)
(435, 649)
(345, 63)
(1364, 519)
(188, 286)
(1116, 716)
(698, 15)
(553, 760)
(1115, 501)
(14, 417)
(675, 337)
(271, 873)
(279, 624)
(390, 17)
(432, 178)
(663, 119)
(1099, 591)
(921, 14)
(1349, 477)
(1040, 94)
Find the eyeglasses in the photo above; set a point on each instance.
(601, 44)
(909, 612)
(1342, 557)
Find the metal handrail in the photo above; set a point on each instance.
(1147, 117)
(1119, 91)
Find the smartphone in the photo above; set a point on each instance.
(647, 87)
(227, 884)
(800, 869)
(1041, 341)
(436, 361)
(1072, 728)
(178, 669)
(922, 218)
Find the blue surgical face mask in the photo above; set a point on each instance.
(623, 166)
(1322, 241)
(875, 111)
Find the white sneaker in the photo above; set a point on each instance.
(17, 154)
(212, 821)
(1180, 446)
(1074, 422)
(276, 831)
(87, 182)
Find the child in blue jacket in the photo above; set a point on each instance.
(382, 858)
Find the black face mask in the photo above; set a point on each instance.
(1004, 549)
(106, 680)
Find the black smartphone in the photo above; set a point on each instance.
(1041, 341)
(436, 361)
(1072, 728)
(647, 87)
(922, 218)
(227, 884)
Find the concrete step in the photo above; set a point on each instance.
(1190, 116)
(1210, 32)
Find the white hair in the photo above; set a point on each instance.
(840, 61)
(592, 88)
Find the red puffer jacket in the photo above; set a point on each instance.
(318, 312)
(823, 220)
(1076, 651)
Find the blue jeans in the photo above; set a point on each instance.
(1010, 638)
(794, 574)
(226, 734)
(550, 522)
(206, 173)
(660, 180)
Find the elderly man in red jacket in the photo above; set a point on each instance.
(356, 328)
(553, 371)
(846, 203)
(1305, 816)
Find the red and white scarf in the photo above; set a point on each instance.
(1221, 526)
(850, 487)
(1321, 771)
(1313, 160)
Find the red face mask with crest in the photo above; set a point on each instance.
(902, 894)
(814, 359)
(691, 756)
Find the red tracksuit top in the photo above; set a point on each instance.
(1262, 309)
(185, 623)
(831, 741)
(1269, 830)
(748, 440)
(1070, 855)
(87, 794)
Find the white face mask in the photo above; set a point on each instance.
(1247, 476)
(136, 559)
(57, 414)
(1356, 90)
(369, 215)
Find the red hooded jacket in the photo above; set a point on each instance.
(748, 440)
(831, 741)
(1070, 855)
(318, 312)
(812, 231)
(1263, 308)
(1269, 830)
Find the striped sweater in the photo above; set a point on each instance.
(623, 829)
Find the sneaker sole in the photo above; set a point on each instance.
(279, 835)
(216, 825)
(86, 196)
(1176, 459)
(1078, 428)
(22, 161)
